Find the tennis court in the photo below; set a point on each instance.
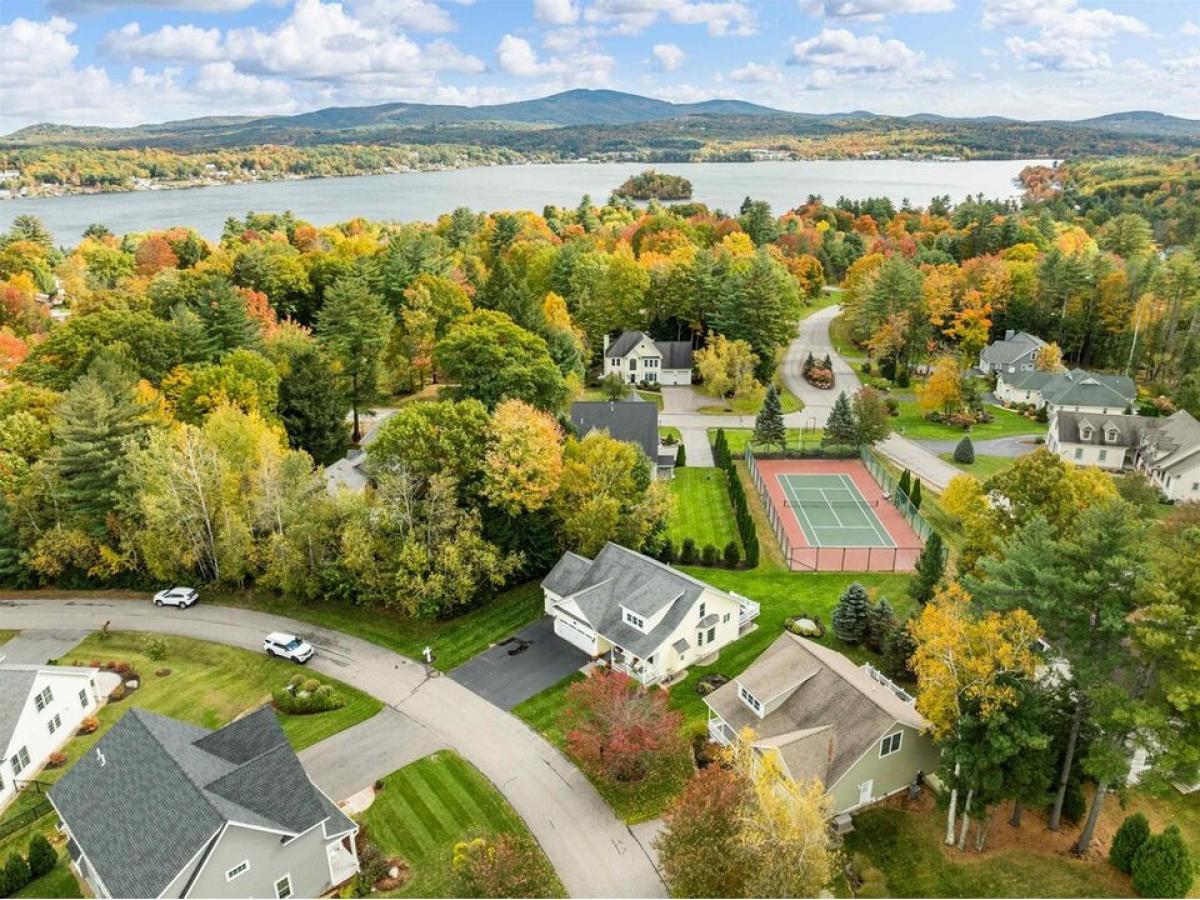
(832, 512)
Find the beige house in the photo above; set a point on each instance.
(1169, 454)
(1086, 439)
(638, 358)
(1076, 391)
(847, 726)
(641, 616)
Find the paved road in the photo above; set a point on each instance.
(345, 763)
(593, 852)
(34, 648)
(1005, 446)
(813, 337)
(936, 473)
(506, 678)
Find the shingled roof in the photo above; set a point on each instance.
(635, 421)
(1012, 348)
(15, 684)
(1175, 439)
(675, 354)
(155, 782)
(834, 710)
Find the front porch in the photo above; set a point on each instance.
(343, 861)
(643, 671)
(719, 730)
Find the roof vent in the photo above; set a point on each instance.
(100, 756)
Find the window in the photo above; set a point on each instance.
(55, 723)
(1103, 455)
(44, 699)
(636, 621)
(83, 700)
(725, 618)
(283, 887)
(632, 365)
(1195, 486)
(749, 699)
(701, 609)
(1085, 433)
(712, 635)
(20, 760)
(890, 744)
(1079, 453)
(243, 866)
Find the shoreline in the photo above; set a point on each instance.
(159, 186)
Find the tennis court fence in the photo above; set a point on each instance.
(772, 513)
(898, 498)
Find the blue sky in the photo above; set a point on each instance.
(121, 62)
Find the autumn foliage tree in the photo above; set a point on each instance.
(617, 729)
(942, 392)
(698, 849)
(524, 461)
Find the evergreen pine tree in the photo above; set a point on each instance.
(769, 429)
(681, 457)
(905, 484)
(96, 418)
(1128, 840)
(1162, 867)
(227, 325)
(42, 857)
(965, 451)
(880, 620)
(930, 566)
(827, 363)
(916, 493)
(809, 363)
(898, 648)
(840, 428)
(312, 407)
(851, 614)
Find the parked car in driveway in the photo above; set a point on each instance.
(179, 597)
(288, 646)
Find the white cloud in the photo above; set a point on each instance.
(844, 51)
(1060, 19)
(220, 80)
(410, 15)
(171, 42)
(670, 56)
(29, 48)
(555, 12)
(753, 73)
(1061, 55)
(517, 57)
(872, 10)
(728, 17)
(97, 6)
(1189, 29)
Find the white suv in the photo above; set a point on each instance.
(279, 643)
(179, 597)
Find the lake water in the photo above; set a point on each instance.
(421, 196)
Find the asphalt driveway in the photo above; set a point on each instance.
(506, 674)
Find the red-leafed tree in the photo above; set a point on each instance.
(155, 254)
(699, 850)
(616, 728)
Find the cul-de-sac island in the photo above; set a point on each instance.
(426, 471)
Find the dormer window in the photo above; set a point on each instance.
(635, 620)
(1085, 432)
(750, 700)
(1111, 435)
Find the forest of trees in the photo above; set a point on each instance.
(651, 185)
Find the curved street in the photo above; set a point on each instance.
(812, 336)
(594, 853)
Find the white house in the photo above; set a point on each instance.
(826, 718)
(1087, 439)
(1077, 391)
(642, 616)
(638, 358)
(1016, 353)
(40, 708)
(1169, 454)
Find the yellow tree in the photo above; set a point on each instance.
(943, 389)
(783, 827)
(965, 499)
(972, 324)
(1049, 358)
(523, 466)
(963, 661)
(727, 368)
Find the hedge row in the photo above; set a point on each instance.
(737, 497)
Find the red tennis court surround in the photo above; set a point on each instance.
(800, 550)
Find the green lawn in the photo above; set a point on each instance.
(906, 847)
(739, 437)
(427, 807)
(839, 337)
(984, 466)
(647, 799)
(209, 685)
(912, 423)
(666, 431)
(58, 882)
(702, 509)
(453, 640)
(594, 393)
(747, 406)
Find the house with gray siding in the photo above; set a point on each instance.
(825, 718)
(161, 808)
(1016, 353)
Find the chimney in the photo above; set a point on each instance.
(606, 340)
(1009, 335)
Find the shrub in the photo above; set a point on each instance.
(1074, 804)
(297, 680)
(89, 725)
(311, 685)
(893, 406)
(163, 672)
(95, 663)
(56, 760)
(42, 857)
(666, 553)
(709, 555)
(732, 554)
(681, 456)
(321, 698)
(500, 866)
(1128, 839)
(16, 873)
(156, 649)
(1162, 867)
(965, 451)
(851, 614)
(117, 693)
(688, 553)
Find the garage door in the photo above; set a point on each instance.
(576, 635)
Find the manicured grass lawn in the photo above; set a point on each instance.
(745, 406)
(739, 437)
(594, 393)
(912, 423)
(839, 337)
(427, 807)
(666, 431)
(906, 847)
(454, 640)
(647, 799)
(702, 510)
(984, 466)
(209, 685)
(58, 882)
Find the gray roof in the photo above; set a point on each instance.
(171, 786)
(675, 354)
(1033, 380)
(1082, 388)
(833, 713)
(625, 420)
(1069, 426)
(620, 577)
(15, 684)
(1012, 348)
(566, 574)
(1175, 439)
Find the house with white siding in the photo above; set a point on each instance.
(1169, 454)
(641, 616)
(1076, 391)
(636, 358)
(1016, 353)
(1086, 439)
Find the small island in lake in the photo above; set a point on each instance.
(651, 185)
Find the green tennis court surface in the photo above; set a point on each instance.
(832, 512)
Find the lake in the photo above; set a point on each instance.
(422, 196)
